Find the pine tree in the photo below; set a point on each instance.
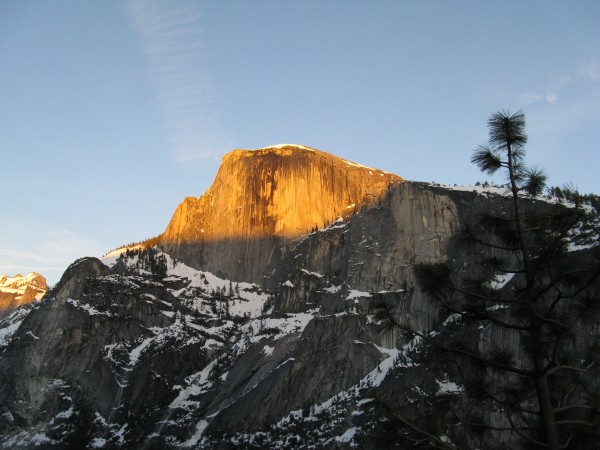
(538, 293)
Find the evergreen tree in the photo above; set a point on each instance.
(542, 298)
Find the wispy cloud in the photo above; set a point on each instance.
(531, 98)
(581, 81)
(590, 70)
(571, 99)
(171, 36)
(572, 113)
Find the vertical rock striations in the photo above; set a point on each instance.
(261, 201)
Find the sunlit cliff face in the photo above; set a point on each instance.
(284, 190)
(20, 290)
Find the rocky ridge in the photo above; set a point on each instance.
(146, 351)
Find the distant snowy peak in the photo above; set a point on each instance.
(20, 290)
(20, 282)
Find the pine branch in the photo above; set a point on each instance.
(487, 159)
(552, 284)
(569, 439)
(476, 424)
(545, 319)
(565, 275)
(576, 293)
(415, 428)
(512, 405)
(486, 317)
(428, 436)
(568, 393)
(567, 408)
(564, 232)
(522, 435)
(483, 297)
(576, 422)
(490, 245)
(555, 369)
(557, 342)
(459, 351)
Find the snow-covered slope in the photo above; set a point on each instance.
(141, 350)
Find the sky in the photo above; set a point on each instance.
(111, 112)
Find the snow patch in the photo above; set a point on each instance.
(65, 414)
(193, 441)
(293, 323)
(347, 436)
(285, 362)
(353, 164)
(98, 442)
(6, 333)
(497, 190)
(376, 376)
(333, 289)
(448, 387)
(110, 258)
(357, 294)
(120, 435)
(87, 308)
(314, 274)
(280, 146)
(24, 439)
(9, 325)
(135, 354)
(267, 350)
(336, 224)
(242, 299)
(501, 280)
(197, 384)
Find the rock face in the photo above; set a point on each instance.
(20, 290)
(148, 352)
(261, 202)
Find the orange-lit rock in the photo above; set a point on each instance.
(20, 290)
(263, 200)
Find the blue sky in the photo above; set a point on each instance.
(111, 112)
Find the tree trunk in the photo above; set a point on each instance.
(542, 384)
(542, 387)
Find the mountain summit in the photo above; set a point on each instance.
(20, 290)
(262, 200)
(142, 351)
